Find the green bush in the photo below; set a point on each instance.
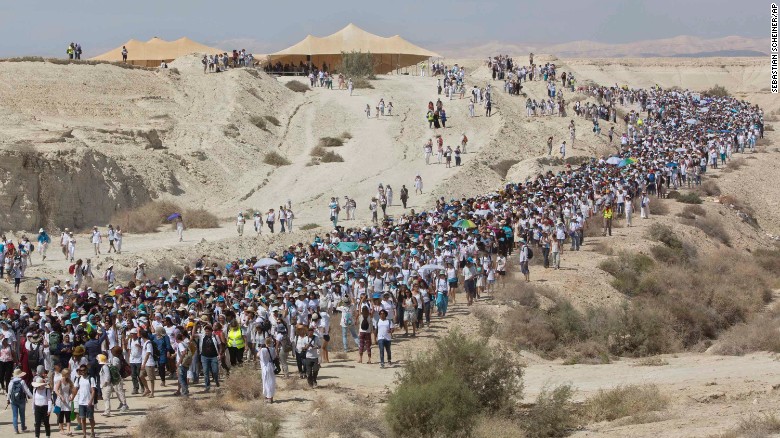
(627, 269)
(357, 65)
(552, 415)
(689, 198)
(442, 406)
(492, 374)
(275, 159)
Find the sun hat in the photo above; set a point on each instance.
(38, 382)
(102, 359)
(19, 373)
(79, 351)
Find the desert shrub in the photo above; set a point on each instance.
(243, 383)
(754, 426)
(442, 406)
(318, 151)
(258, 121)
(262, 423)
(663, 234)
(759, 334)
(273, 120)
(156, 424)
(712, 227)
(673, 250)
(769, 259)
(549, 161)
(147, 218)
(357, 65)
(552, 415)
(735, 164)
(627, 269)
(346, 421)
(345, 135)
(487, 325)
(709, 188)
(689, 198)
(503, 166)
(691, 211)
(362, 83)
(659, 207)
(200, 218)
(524, 294)
(603, 247)
(330, 142)
(623, 401)
(666, 254)
(717, 91)
(298, 87)
(275, 159)
(491, 373)
(653, 361)
(331, 157)
(165, 268)
(672, 194)
(308, 227)
(590, 352)
(491, 427)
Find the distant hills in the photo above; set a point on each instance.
(679, 46)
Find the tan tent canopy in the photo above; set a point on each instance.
(151, 53)
(389, 53)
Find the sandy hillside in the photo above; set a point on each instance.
(97, 139)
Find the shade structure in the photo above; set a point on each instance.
(389, 53)
(153, 52)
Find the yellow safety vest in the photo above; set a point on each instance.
(608, 214)
(235, 338)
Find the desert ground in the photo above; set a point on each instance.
(116, 138)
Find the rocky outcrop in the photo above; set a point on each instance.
(75, 188)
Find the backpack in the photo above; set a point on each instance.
(54, 342)
(72, 269)
(116, 377)
(530, 252)
(18, 396)
(265, 325)
(155, 352)
(186, 360)
(124, 368)
(34, 357)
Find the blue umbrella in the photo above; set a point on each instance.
(173, 216)
(349, 246)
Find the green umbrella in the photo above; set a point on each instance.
(464, 223)
(349, 246)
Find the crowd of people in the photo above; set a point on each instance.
(76, 345)
(220, 62)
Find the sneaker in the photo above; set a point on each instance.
(135, 392)
(381, 365)
(124, 409)
(206, 390)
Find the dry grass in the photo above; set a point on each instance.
(691, 211)
(310, 226)
(262, 421)
(521, 294)
(243, 384)
(275, 159)
(318, 151)
(659, 207)
(346, 421)
(760, 334)
(754, 426)
(298, 87)
(273, 120)
(624, 401)
(146, 218)
(711, 226)
(735, 164)
(330, 142)
(652, 361)
(200, 218)
(345, 135)
(258, 121)
(552, 415)
(492, 427)
(709, 188)
(156, 424)
(331, 157)
(362, 83)
(689, 198)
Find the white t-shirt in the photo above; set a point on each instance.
(135, 351)
(147, 349)
(84, 394)
(383, 329)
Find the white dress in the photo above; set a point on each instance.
(267, 372)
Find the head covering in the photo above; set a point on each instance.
(102, 359)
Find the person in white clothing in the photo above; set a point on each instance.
(266, 356)
(97, 239)
(240, 221)
(258, 221)
(71, 246)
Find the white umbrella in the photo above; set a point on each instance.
(482, 212)
(431, 267)
(266, 262)
(680, 150)
(613, 160)
(691, 121)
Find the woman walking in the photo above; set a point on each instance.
(266, 356)
(63, 389)
(42, 406)
(17, 396)
(384, 335)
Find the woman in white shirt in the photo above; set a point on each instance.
(42, 405)
(266, 356)
(63, 388)
(270, 219)
(384, 334)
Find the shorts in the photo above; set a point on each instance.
(63, 417)
(17, 281)
(148, 373)
(87, 412)
(453, 284)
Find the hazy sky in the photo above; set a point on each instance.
(36, 27)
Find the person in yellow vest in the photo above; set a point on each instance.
(70, 51)
(235, 343)
(607, 219)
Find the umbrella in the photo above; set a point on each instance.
(680, 150)
(285, 269)
(613, 160)
(626, 161)
(482, 212)
(266, 262)
(431, 267)
(691, 121)
(174, 216)
(349, 246)
(464, 223)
